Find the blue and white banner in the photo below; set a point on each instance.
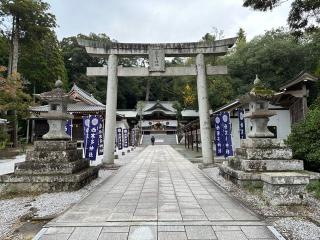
(126, 138)
(85, 124)
(133, 137)
(101, 138)
(223, 139)
(119, 139)
(68, 127)
(226, 126)
(91, 136)
(218, 136)
(242, 125)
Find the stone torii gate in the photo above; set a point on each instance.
(156, 54)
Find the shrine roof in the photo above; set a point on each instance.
(3, 121)
(80, 94)
(300, 78)
(189, 113)
(71, 108)
(128, 113)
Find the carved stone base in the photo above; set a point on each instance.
(20, 184)
(285, 188)
(52, 166)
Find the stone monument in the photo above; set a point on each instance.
(263, 160)
(55, 164)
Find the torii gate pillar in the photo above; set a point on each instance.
(111, 112)
(204, 116)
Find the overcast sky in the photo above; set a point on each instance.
(162, 20)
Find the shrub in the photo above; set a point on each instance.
(4, 137)
(305, 139)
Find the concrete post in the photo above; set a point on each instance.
(111, 112)
(204, 117)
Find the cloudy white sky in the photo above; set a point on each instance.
(162, 20)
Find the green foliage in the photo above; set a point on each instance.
(13, 98)
(314, 187)
(305, 139)
(4, 50)
(220, 91)
(4, 137)
(276, 56)
(41, 63)
(304, 14)
(32, 16)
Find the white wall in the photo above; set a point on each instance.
(282, 121)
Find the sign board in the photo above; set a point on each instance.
(156, 59)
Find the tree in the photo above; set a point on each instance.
(30, 20)
(276, 56)
(41, 63)
(304, 14)
(305, 139)
(13, 98)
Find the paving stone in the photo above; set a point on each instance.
(60, 230)
(231, 235)
(172, 236)
(55, 237)
(85, 233)
(257, 232)
(113, 236)
(171, 228)
(143, 233)
(200, 232)
(116, 229)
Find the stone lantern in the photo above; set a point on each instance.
(263, 161)
(259, 114)
(57, 115)
(55, 164)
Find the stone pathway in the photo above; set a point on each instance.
(158, 195)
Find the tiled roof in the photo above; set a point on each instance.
(128, 113)
(88, 98)
(3, 121)
(162, 106)
(73, 107)
(189, 113)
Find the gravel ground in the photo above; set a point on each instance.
(292, 222)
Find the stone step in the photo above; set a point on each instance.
(50, 168)
(161, 139)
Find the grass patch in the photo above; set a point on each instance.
(314, 187)
(253, 187)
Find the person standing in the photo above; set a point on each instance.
(152, 140)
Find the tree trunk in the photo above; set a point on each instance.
(15, 47)
(148, 89)
(13, 70)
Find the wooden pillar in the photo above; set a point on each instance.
(197, 140)
(188, 140)
(192, 139)
(185, 139)
(28, 131)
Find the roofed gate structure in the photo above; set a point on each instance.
(156, 54)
